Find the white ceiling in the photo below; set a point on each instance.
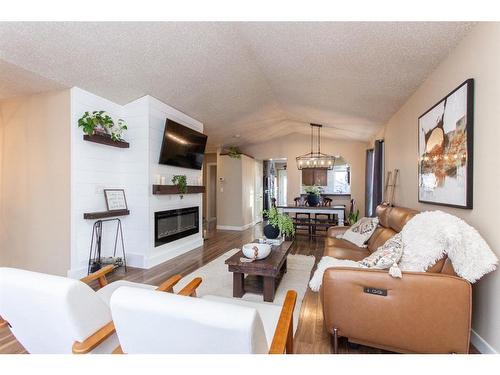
(259, 80)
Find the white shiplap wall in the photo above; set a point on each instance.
(95, 167)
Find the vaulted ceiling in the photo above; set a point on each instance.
(247, 82)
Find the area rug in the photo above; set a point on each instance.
(218, 281)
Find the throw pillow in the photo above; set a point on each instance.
(386, 255)
(361, 232)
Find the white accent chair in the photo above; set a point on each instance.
(54, 314)
(162, 323)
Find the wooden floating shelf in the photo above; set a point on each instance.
(105, 214)
(173, 189)
(103, 140)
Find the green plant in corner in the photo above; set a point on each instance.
(181, 183)
(234, 152)
(281, 221)
(353, 217)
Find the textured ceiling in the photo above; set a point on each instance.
(257, 80)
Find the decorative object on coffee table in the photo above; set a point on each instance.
(263, 276)
(115, 199)
(445, 146)
(256, 251)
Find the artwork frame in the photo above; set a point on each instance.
(445, 150)
(115, 199)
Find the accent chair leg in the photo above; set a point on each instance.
(335, 339)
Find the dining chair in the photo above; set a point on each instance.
(323, 221)
(302, 220)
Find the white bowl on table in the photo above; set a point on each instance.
(256, 250)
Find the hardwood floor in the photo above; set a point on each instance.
(311, 336)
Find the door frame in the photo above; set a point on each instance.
(209, 165)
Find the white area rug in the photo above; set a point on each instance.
(218, 281)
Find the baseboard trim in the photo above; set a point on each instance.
(481, 344)
(230, 227)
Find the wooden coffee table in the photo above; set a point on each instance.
(263, 276)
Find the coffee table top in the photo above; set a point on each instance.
(267, 266)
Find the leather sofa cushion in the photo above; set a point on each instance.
(399, 216)
(379, 237)
(354, 253)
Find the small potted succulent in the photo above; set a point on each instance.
(313, 195)
(278, 224)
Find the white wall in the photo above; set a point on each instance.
(96, 166)
(158, 112)
(236, 195)
(478, 57)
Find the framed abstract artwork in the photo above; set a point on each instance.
(445, 148)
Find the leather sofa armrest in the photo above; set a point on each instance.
(422, 312)
(335, 231)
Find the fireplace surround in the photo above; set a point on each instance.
(175, 224)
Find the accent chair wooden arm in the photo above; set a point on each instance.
(3, 323)
(94, 340)
(168, 285)
(190, 289)
(283, 335)
(99, 275)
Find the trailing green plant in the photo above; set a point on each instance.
(101, 122)
(314, 190)
(353, 217)
(234, 152)
(281, 221)
(117, 130)
(180, 181)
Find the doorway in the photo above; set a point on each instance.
(275, 182)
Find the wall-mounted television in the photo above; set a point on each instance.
(182, 146)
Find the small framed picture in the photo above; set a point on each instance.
(115, 199)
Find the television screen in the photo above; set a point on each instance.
(182, 146)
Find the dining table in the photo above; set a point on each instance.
(338, 210)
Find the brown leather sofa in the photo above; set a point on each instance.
(426, 312)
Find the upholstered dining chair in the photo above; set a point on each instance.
(163, 323)
(54, 314)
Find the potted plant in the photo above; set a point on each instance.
(353, 218)
(313, 195)
(100, 123)
(234, 152)
(278, 224)
(181, 183)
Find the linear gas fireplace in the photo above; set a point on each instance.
(172, 225)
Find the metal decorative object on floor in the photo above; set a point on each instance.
(96, 261)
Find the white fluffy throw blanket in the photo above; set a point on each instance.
(427, 237)
(430, 235)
